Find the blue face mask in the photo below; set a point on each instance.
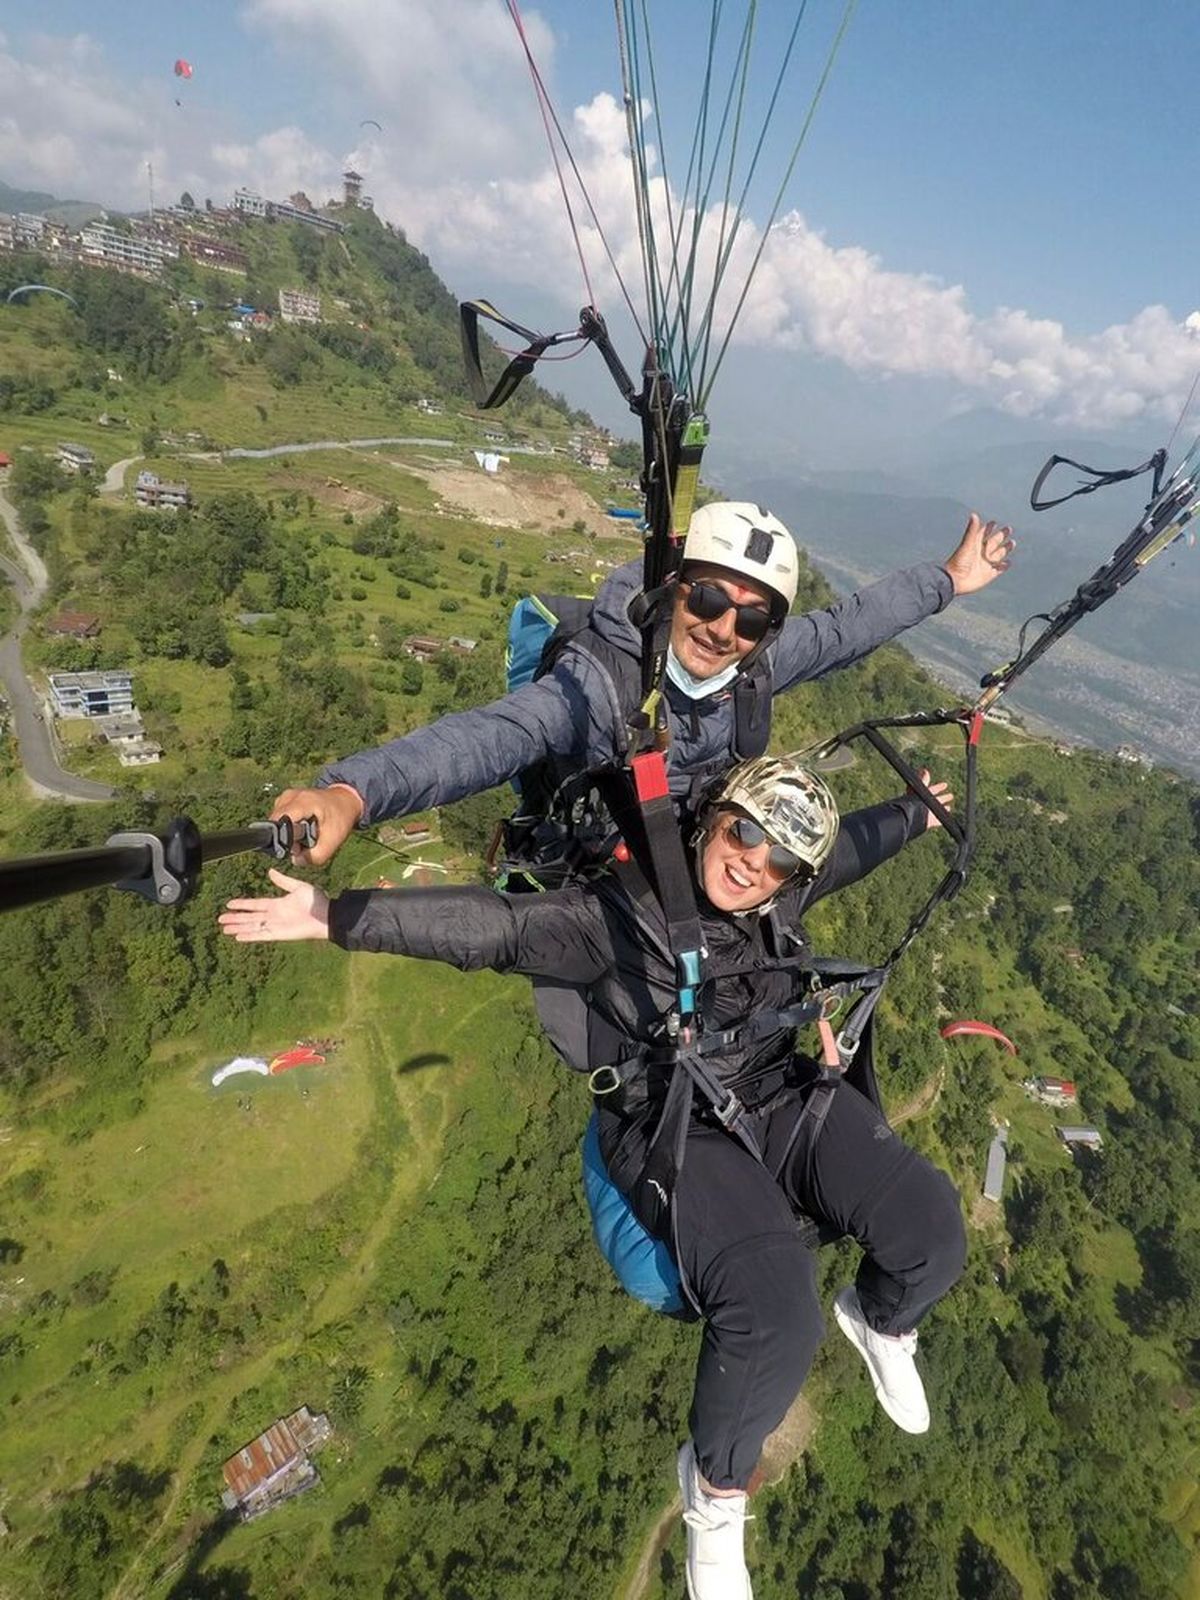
(697, 688)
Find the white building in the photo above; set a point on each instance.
(249, 203)
(1090, 1138)
(156, 494)
(101, 245)
(91, 694)
(76, 457)
(137, 752)
(30, 230)
(298, 305)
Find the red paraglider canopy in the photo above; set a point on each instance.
(302, 1056)
(183, 69)
(953, 1029)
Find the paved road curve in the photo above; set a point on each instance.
(33, 737)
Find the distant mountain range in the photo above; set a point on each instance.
(73, 212)
(1128, 675)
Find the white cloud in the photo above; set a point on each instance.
(446, 78)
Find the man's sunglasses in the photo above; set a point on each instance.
(781, 863)
(708, 601)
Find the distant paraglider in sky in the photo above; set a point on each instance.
(41, 288)
(183, 69)
(369, 122)
(953, 1030)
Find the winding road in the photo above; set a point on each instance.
(29, 580)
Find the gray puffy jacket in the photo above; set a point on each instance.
(575, 710)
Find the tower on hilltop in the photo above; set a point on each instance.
(351, 188)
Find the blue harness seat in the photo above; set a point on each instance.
(643, 1264)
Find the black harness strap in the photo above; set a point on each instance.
(1101, 478)
(489, 396)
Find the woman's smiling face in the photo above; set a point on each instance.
(736, 877)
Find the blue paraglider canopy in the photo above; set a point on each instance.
(41, 288)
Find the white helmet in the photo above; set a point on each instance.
(748, 540)
(789, 802)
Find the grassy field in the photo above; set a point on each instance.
(239, 1173)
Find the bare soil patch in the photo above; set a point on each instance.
(513, 499)
(332, 492)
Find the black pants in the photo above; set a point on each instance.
(754, 1277)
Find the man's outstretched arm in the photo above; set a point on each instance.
(573, 711)
(822, 641)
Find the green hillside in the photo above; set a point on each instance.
(388, 338)
(398, 1237)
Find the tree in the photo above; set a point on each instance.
(485, 586)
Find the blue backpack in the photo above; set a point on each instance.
(643, 1264)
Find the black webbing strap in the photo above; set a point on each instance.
(761, 1024)
(489, 396)
(1100, 476)
(1167, 514)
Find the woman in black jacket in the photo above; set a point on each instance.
(767, 847)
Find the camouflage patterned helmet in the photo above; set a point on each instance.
(788, 801)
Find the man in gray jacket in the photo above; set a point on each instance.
(732, 649)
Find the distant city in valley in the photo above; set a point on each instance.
(1080, 693)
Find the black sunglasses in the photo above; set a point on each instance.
(708, 601)
(781, 863)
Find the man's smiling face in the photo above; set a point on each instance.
(705, 647)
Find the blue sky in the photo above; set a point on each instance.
(965, 158)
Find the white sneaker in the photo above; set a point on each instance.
(898, 1386)
(716, 1562)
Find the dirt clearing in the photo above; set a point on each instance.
(515, 499)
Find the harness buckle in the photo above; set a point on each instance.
(599, 1086)
(847, 1047)
(831, 1002)
(728, 1113)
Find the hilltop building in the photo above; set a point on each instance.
(298, 305)
(1051, 1091)
(993, 1182)
(421, 648)
(216, 253)
(24, 231)
(74, 625)
(248, 204)
(1089, 1138)
(91, 694)
(351, 187)
(276, 1465)
(75, 457)
(102, 245)
(157, 494)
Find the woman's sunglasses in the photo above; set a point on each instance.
(708, 601)
(781, 863)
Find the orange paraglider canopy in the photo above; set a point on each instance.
(183, 69)
(303, 1056)
(952, 1030)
